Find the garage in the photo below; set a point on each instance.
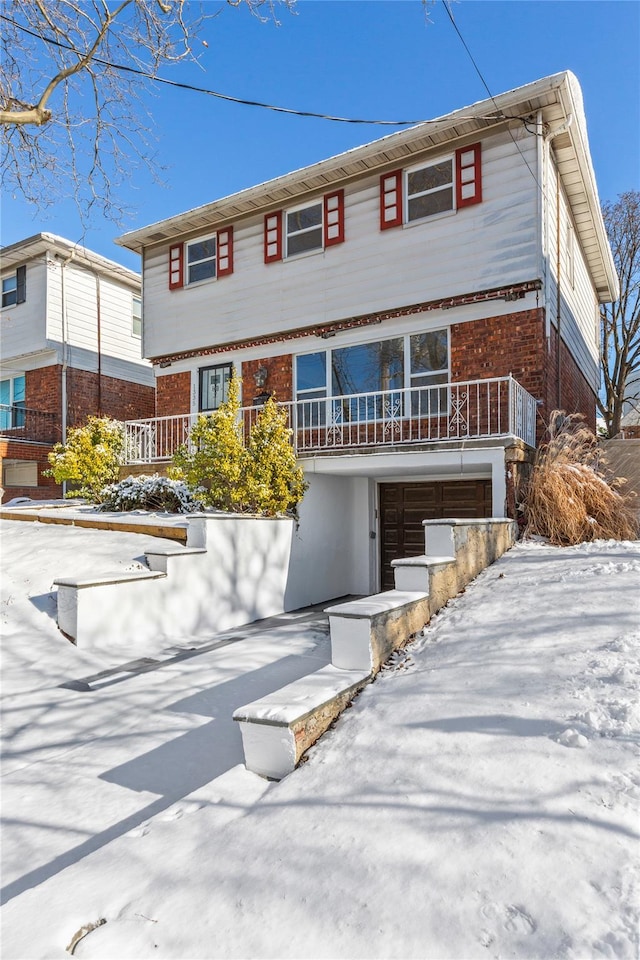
(403, 507)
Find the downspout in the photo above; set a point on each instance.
(64, 332)
(99, 342)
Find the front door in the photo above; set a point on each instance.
(403, 507)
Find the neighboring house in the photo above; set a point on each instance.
(420, 305)
(71, 346)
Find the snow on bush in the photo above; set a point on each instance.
(149, 493)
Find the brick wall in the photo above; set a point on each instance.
(517, 344)
(173, 394)
(17, 450)
(108, 396)
(279, 378)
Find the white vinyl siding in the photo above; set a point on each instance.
(578, 301)
(23, 325)
(487, 245)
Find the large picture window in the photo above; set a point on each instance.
(214, 386)
(399, 376)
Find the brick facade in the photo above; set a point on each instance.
(110, 397)
(173, 394)
(279, 382)
(47, 489)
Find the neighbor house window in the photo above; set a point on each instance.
(14, 288)
(372, 378)
(136, 317)
(20, 473)
(214, 385)
(12, 402)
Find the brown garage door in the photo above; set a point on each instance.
(403, 507)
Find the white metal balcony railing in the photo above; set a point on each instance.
(453, 411)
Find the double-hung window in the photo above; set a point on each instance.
(442, 185)
(304, 229)
(136, 316)
(201, 259)
(14, 287)
(214, 386)
(429, 190)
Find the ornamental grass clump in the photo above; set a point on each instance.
(154, 493)
(571, 497)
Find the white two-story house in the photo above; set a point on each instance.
(71, 329)
(419, 304)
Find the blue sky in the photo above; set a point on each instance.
(377, 59)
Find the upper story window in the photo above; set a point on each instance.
(14, 287)
(136, 316)
(205, 258)
(303, 229)
(430, 190)
(443, 185)
(214, 385)
(201, 259)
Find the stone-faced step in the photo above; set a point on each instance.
(365, 632)
(280, 727)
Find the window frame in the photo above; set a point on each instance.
(201, 372)
(407, 171)
(405, 390)
(286, 234)
(15, 420)
(134, 317)
(213, 259)
(12, 291)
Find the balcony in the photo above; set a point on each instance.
(20, 423)
(476, 409)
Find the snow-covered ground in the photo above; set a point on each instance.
(480, 799)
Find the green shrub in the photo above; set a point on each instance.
(149, 493)
(90, 458)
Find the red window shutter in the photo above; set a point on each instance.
(273, 237)
(334, 218)
(225, 251)
(176, 267)
(468, 176)
(391, 200)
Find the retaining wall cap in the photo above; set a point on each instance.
(378, 604)
(474, 522)
(302, 697)
(104, 579)
(173, 551)
(422, 561)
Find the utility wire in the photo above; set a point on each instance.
(445, 4)
(249, 103)
(211, 93)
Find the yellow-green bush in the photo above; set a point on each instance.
(90, 458)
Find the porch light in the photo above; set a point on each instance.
(260, 377)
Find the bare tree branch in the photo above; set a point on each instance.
(620, 321)
(73, 121)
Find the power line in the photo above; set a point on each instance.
(445, 4)
(211, 93)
